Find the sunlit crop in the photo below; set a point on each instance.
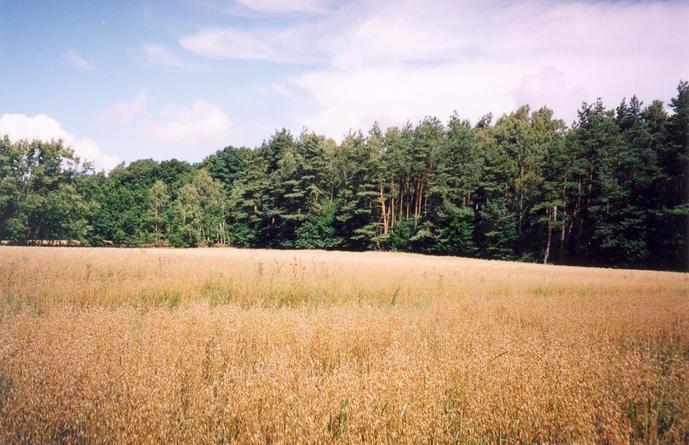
(251, 346)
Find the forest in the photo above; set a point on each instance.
(610, 189)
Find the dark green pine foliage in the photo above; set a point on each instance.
(674, 189)
(543, 197)
(524, 140)
(449, 221)
(496, 225)
(282, 209)
(227, 165)
(595, 138)
(550, 211)
(397, 143)
(627, 172)
(359, 178)
(428, 144)
(246, 203)
(317, 227)
(609, 190)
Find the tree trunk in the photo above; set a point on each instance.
(418, 189)
(383, 212)
(521, 203)
(561, 245)
(420, 199)
(552, 219)
(401, 202)
(392, 205)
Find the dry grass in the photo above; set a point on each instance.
(220, 345)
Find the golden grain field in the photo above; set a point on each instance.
(258, 346)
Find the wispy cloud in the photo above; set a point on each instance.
(162, 55)
(285, 45)
(270, 6)
(79, 62)
(282, 6)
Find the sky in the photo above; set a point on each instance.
(125, 80)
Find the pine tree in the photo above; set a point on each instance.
(610, 190)
(596, 135)
(546, 180)
(449, 223)
(674, 163)
(359, 180)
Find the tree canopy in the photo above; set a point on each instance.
(610, 189)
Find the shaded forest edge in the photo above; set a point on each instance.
(609, 190)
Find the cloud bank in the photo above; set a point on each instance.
(392, 61)
(42, 127)
(201, 124)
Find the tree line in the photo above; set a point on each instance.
(609, 190)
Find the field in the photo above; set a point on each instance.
(258, 346)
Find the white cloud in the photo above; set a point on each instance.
(276, 89)
(390, 61)
(42, 127)
(278, 45)
(283, 6)
(79, 62)
(162, 55)
(228, 44)
(406, 61)
(393, 94)
(203, 123)
(548, 88)
(242, 7)
(126, 112)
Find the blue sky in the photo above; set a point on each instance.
(182, 78)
